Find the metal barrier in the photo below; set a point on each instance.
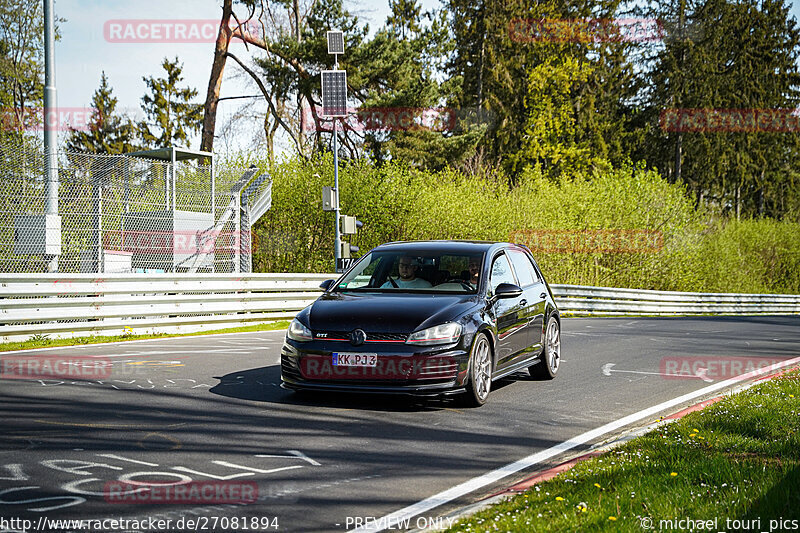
(73, 305)
(577, 299)
(69, 305)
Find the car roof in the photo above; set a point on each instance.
(450, 246)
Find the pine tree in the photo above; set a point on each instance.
(729, 56)
(497, 49)
(404, 19)
(108, 133)
(170, 115)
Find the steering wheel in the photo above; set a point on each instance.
(461, 281)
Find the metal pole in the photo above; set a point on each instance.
(337, 252)
(50, 113)
(213, 209)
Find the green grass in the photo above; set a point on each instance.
(738, 459)
(43, 341)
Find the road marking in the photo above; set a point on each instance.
(700, 374)
(257, 470)
(112, 456)
(295, 454)
(97, 426)
(167, 339)
(526, 462)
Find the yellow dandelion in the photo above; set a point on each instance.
(673, 474)
(598, 485)
(791, 396)
(559, 499)
(701, 437)
(696, 430)
(612, 518)
(692, 434)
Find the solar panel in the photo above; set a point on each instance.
(335, 42)
(334, 93)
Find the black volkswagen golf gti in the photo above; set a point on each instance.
(427, 318)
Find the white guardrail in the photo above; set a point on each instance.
(70, 305)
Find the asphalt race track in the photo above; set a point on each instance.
(209, 409)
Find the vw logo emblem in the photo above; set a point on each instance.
(357, 337)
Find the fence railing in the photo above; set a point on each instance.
(613, 301)
(69, 305)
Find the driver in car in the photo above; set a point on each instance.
(407, 267)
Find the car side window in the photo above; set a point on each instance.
(523, 267)
(501, 272)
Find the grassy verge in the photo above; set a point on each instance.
(736, 460)
(43, 341)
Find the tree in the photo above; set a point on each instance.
(498, 45)
(170, 115)
(404, 19)
(552, 140)
(108, 133)
(21, 59)
(742, 56)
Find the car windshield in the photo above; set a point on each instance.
(409, 270)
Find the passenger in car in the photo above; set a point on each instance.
(474, 271)
(407, 268)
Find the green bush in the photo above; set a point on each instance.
(395, 202)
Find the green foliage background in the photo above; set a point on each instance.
(701, 252)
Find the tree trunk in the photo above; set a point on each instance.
(301, 130)
(215, 80)
(738, 200)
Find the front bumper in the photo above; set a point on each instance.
(400, 369)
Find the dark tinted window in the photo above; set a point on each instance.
(523, 267)
(501, 272)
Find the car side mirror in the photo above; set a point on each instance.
(506, 290)
(325, 285)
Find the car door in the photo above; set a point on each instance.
(508, 314)
(533, 302)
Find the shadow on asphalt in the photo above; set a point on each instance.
(263, 385)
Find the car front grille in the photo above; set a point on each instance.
(344, 336)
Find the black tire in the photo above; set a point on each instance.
(479, 381)
(550, 359)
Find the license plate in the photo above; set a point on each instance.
(355, 359)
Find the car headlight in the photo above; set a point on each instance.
(298, 332)
(441, 334)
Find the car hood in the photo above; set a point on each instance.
(386, 313)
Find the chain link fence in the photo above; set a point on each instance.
(121, 214)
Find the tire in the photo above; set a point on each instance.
(479, 381)
(550, 359)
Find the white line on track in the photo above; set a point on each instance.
(121, 343)
(397, 517)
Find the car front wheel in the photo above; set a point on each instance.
(480, 373)
(550, 360)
